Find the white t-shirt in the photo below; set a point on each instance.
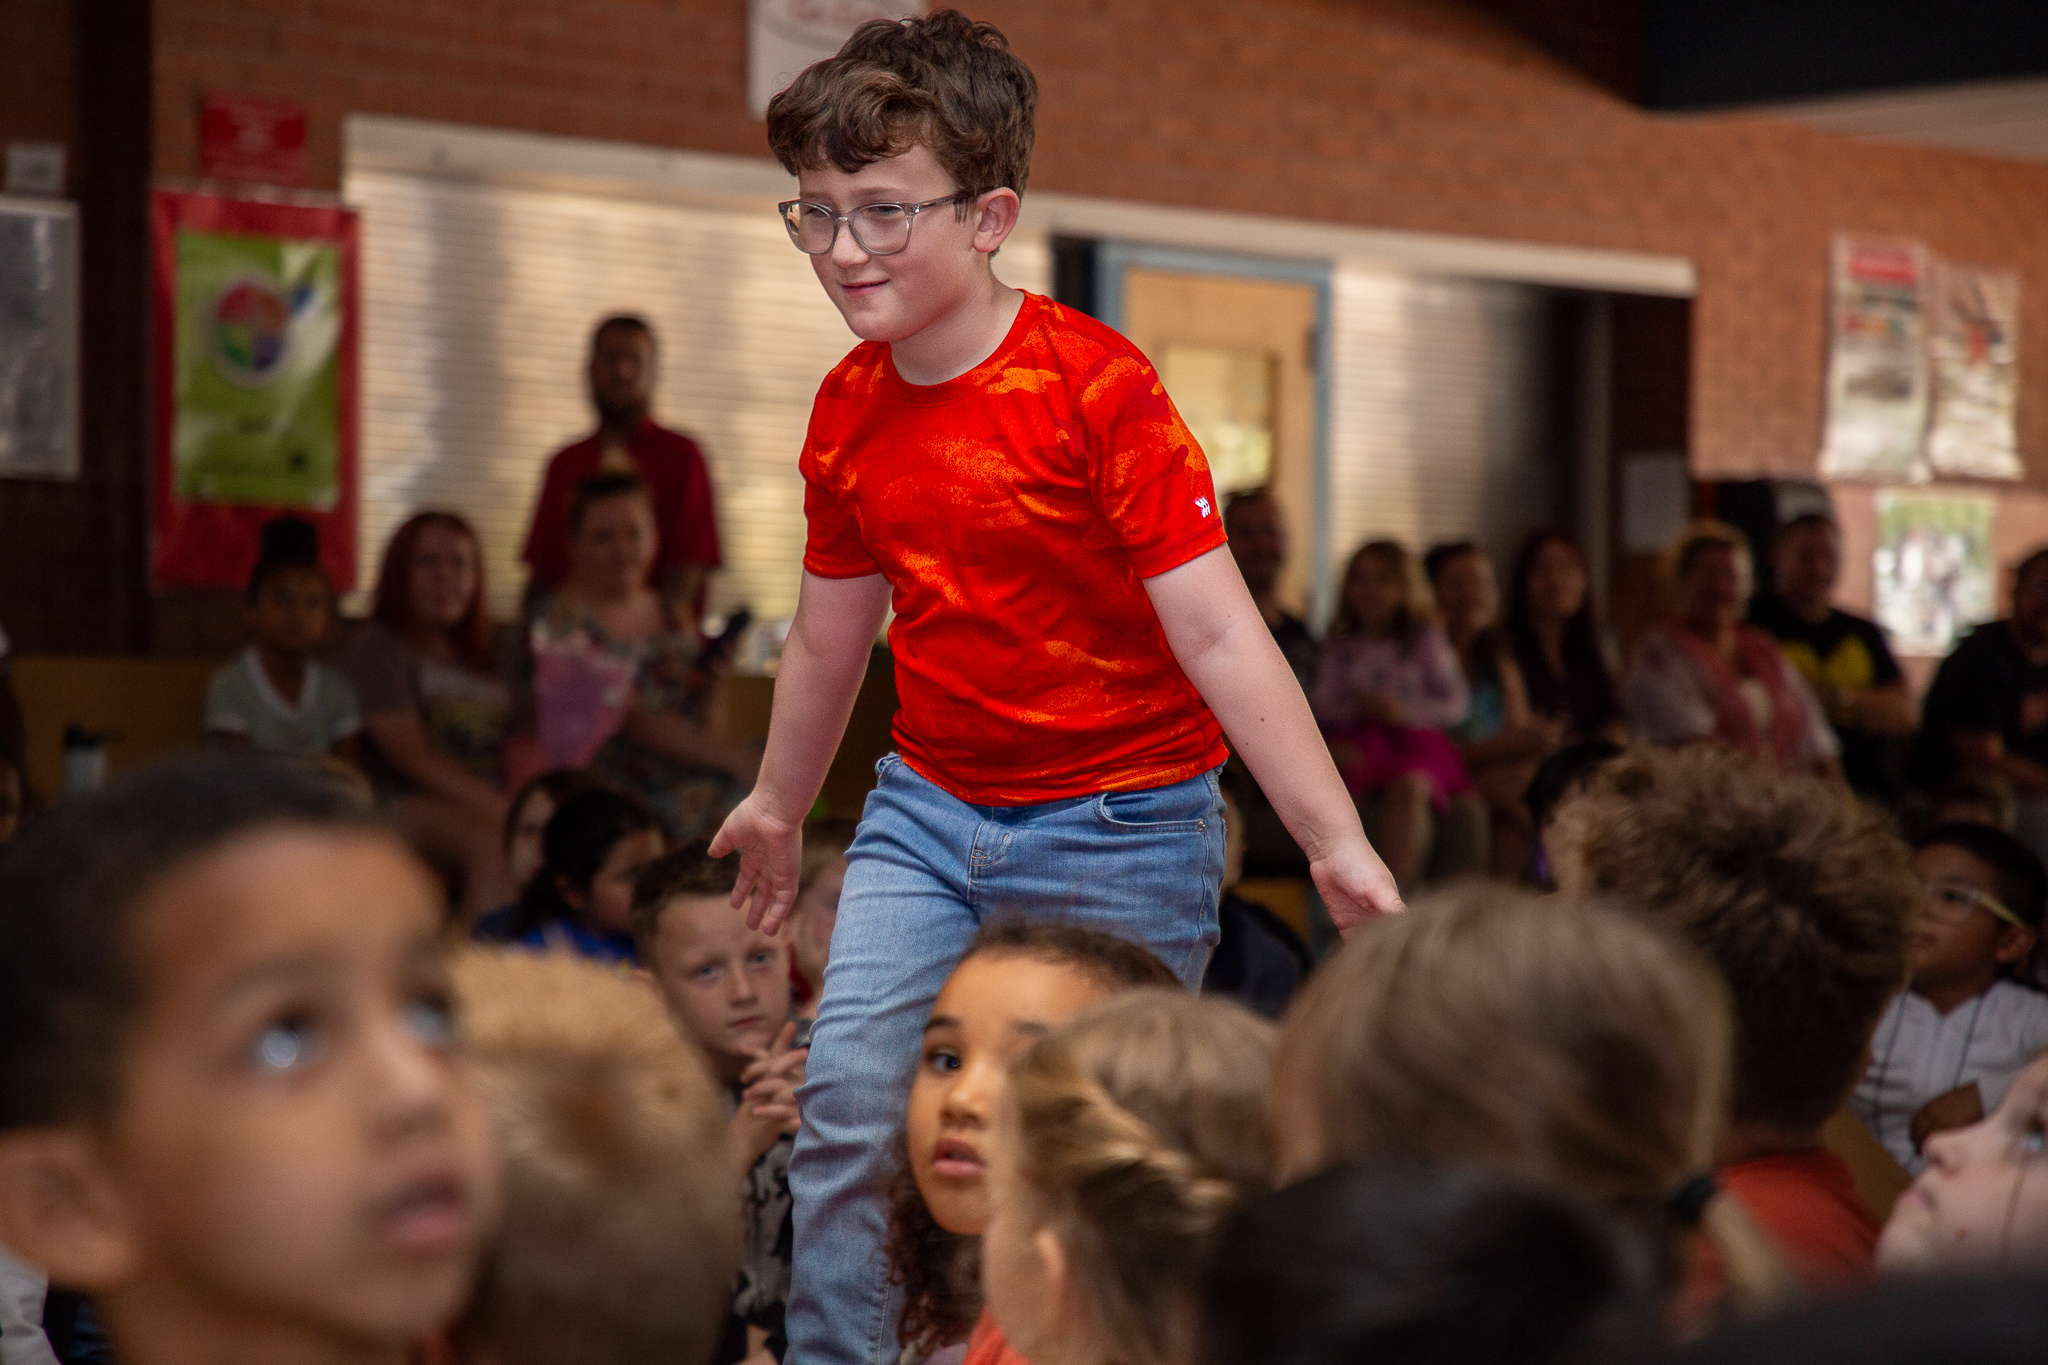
(241, 701)
(1918, 1053)
(21, 1315)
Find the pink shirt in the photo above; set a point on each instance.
(1425, 678)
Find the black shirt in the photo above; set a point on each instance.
(1845, 652)
(1979, 687)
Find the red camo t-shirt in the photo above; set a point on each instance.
(678, 484)
(1016, 511)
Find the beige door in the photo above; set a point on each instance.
(1237, 357)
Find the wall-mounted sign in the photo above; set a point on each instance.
(1932, 568)
(38, 339)
(785, 36)
(254, 141)
(254, 338)
(1975, 346)
(1877, 361)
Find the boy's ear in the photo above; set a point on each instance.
(60, 1213)
(996, 219)
(2014, 944)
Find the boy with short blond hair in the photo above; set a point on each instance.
(727, 987)
(620, 1226)
(1799, 894)
(229, 1104)
(1072, 640)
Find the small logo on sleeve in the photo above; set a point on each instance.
(1202, 506)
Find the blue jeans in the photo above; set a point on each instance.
(925, 871)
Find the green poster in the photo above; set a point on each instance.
(257, 374)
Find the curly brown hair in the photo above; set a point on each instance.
(942, 81)
(1798, 892)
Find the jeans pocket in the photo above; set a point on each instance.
(1185, 806)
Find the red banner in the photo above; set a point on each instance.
(254, 333)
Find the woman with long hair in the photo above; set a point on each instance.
(1553, 633)
(436, 702)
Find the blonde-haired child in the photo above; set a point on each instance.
(1982, 1203)
(1562, 1043)
(621, 1223)
(1125, 1139)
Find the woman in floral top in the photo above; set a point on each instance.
(615, 682)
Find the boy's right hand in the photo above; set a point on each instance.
(768, 849)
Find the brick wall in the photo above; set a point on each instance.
(1393, 113)
(72, 553)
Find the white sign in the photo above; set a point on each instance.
(38, 339)
(785, 36)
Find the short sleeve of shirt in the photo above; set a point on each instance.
(1149, 477)
(380, 669)
(832, 543)
(227, 703)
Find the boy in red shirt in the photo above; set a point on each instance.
(1072, 639)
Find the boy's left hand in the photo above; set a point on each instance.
(1354, 884)
(768, 1106)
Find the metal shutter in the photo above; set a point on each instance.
(478, 299)
(1437, 413)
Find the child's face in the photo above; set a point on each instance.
(1374, 591)
(1953, 941)
(1983, 1198)
(289, 614)
(894, 297)
(614, 543)
(815, 916)
(1465, 592)
(992, 1008)
(726, 985)
(523, 852)
(295, 1152)
(608, 903)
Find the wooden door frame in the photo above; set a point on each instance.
(1113, 258)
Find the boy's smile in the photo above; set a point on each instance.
(935, 302)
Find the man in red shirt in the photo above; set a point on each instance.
(629, 441)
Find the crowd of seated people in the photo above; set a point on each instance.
(1778, 1032)
(257, 1101)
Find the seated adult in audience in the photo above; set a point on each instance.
(1951, 1043)
(1258, 542)
(1709, 678)
(433, 680)
(1388, 689)
(616, 683)
(1554, 634)
(1799, 893)
(1987, 711)
(629, 441)
(1402, 1264)
(1844, 657)
(1500, 740)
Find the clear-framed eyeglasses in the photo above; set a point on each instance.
(1948, 902)
(878, 229)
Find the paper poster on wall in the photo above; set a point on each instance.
(1877, 361)
(1974, 345)
(785, 36)
(38, 339)
(255, 379)
(1933, 568)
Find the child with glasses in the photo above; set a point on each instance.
(1072, 639)
(1954, 1039)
